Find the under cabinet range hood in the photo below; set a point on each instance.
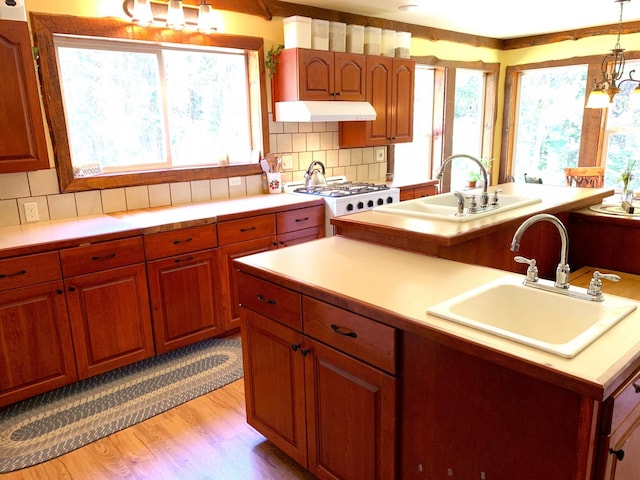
(324, 111)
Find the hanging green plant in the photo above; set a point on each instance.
(273, 55)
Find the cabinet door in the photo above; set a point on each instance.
(182, 290)
(36, 353)
(622, 460)
(316, 75)
(23, 146)
(274, 383)
(110, 319)
(350, 77)
(379, 94)
(230, 310)
(351, 416)
(402, 100)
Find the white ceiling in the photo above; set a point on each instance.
(492, 18)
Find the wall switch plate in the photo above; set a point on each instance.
(235, 181)
(287, 162)
(380, 151)
(31, 212)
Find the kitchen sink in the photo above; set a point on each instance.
(548, 321)
(444, 206)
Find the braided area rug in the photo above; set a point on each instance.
(56, 422)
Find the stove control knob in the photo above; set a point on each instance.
(389, 199)
(349, 207)
(370, 203)
(380, 201)
(360, 205)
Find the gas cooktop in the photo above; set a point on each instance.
(342, 189)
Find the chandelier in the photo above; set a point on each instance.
(172, 14)
(612, 68)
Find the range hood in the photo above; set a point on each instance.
(324, 111)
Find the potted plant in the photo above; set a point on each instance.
(472, 179)
(625, 177)
(271, 62)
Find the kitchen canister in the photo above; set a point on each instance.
(274, 182)
(403, 44)
(355, 38)
(320, 34)
(297, 32)
(388, 43)
(372, 39)
(337, 36)
(13, 10)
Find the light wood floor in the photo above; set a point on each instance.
(206, 438)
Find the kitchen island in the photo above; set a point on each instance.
(480, 241)
(337, 341)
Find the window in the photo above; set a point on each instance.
(140, 110)
(548, 124)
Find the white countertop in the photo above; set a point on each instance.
(407, 284)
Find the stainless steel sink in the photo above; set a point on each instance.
(548, 321)
(444, 206)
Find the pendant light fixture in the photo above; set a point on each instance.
(175, 15)
(142, 14)
(206, 22)
(612, 69)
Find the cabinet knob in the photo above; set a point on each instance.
(295, 347)
(636, 386)
(59, 291)
(72, 288)
(618, 453)
(304, 351)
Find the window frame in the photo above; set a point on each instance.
(44, 28)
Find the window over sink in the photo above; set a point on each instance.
(134, 106)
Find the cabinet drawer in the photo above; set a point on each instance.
(300, 219)
(621, 404)
(270, 300)
(234, 231)
(29, 270)
(101, 256)
(358, 336)
(176, 242)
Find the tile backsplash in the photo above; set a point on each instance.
(304, 142)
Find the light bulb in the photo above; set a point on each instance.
(205, 18)
(142, 14)
(175, 15)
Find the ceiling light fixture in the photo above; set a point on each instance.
(410, 7)
(612, 69)
(172, 14)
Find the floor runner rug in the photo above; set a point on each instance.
(56, 422)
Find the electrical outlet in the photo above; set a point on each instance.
(31, 212)
(235, 181)
(287, 162)
(380, 154)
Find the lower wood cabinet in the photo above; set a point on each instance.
(36, 352)
(333, 413)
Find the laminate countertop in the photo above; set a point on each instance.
(51, 235)
(397, 287)
(554, 199)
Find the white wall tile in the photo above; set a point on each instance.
(88, 203)
(306, 127)
(9, 213)
(43, 182)
(356, 156)
(320, 126)
(180, 193)
(333, 126)
(254, 184)
(363, 173)
(238, 190)
(62, 206)
(367, 155)
(113, 200)
(326, 141)
(284, 143)
(299, 142)
(137, 197)
(43, 208)
(200, 191)
(344, 158)
(313, 142)
(275, 127)
(333, 159)
(290, 127)
(159, 195)
(219, 188)
(14, 185)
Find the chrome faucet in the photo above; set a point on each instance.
(562, 271)
(484, 199)
(561, 285)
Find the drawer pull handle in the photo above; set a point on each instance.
(295, 347)
(186, 240)
(104, 257)
(343, 331)
(265, 300)
(637, 387)
(19, 272)
(618, 453)
(248, 229)
(304, 351)
(186, 259)
(302, 219)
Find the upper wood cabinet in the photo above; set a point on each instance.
(390, 84)
(319, 75)
(22, 140)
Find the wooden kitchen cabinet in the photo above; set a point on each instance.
(36, 350)
(304, 74)
(315, 389)
(390, 84)
(300, 225)
(108, 302)
(182, 270)
(411, 192)
(23, 146)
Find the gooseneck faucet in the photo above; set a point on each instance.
(562, 271)
(484, 199)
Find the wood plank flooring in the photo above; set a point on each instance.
(206, 438)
